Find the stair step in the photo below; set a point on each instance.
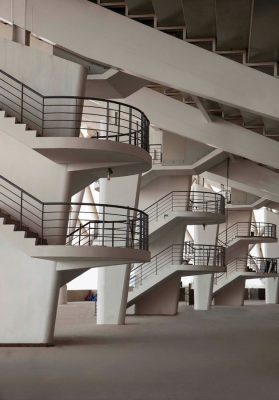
(8, 220)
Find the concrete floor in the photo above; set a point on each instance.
(226, 353)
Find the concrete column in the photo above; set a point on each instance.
(28, 297)
(203, 284)
(232, 294)
(62, 298)
(113, 282)
(271, 250)
(272, 291)
(21, 35)
(163, 298)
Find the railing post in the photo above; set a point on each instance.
(130, 125)
(21, 105)
(103, 227)
(141, 232)
(141, 275)
(42, 227)
(79, 234)
(136, 133)
(107, 125)
(119, 119)
(89, 234)
(156, 266)
(127, 227)
(43, 117)
(142, 133)
(21, 206)
(112, 243)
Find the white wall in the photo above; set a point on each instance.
(54, 76)
(28, 297)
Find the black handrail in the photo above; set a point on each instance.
(187, 253)
(195, 201)
(67, 115)
(264, 265)
(73, 223)
(247, 229)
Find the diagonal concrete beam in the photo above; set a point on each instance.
(184, 120)
(104, 36)
(249, 177)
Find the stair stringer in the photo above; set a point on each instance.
(166, 274)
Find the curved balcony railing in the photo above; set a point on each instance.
(76, 224)
(245, 230)
(73, 116)
(195, 201)
(177, 254)
(264, 265)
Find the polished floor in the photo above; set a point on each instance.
(224, 354)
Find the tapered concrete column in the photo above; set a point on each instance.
(271, 250)
(233, 292)
(113, 282)
(163, 298)
(272, 291)
(28, 296)
(203, 284)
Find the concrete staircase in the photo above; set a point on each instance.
(175, 261)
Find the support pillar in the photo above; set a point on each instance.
(272, 291)
(28, 297)
(271, 250)
(203, 284)
(62, 298)
(113, 282)
(203, 291)
(21, 35)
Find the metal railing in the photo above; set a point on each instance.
(70, 115)
(195, 201)
(245, 230)
(177, 254)
(249, 264)
(227, 194)
(79, 224)
(155, 150)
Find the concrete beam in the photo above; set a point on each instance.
(95, 32)
(184, 120)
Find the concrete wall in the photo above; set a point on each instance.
(113, 283)
(180, 150)
(54, 76)
(232, 294)
(162, 186)
(28, 297)
(163, 300)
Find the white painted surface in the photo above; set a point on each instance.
(184, 120)
(203, 284)
(113, 284)
(28, 297)
(207, 74)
